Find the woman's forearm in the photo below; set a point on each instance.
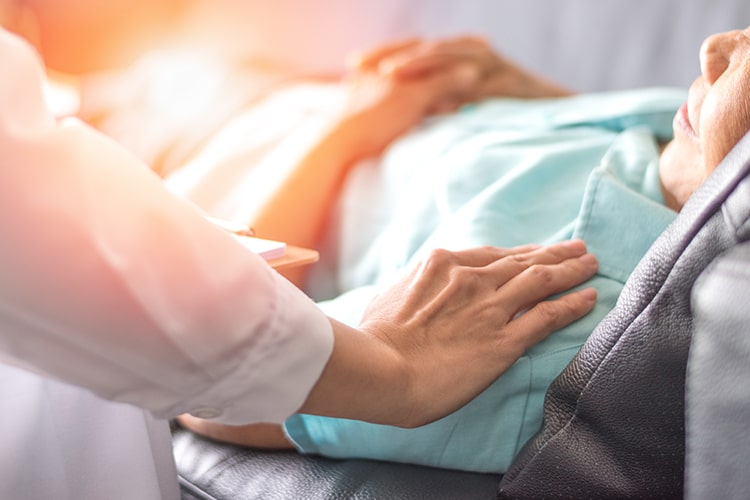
(298, 209)
(374, 112)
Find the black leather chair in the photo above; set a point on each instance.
(214, 471)
(614, 424)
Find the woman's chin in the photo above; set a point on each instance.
(680, 171)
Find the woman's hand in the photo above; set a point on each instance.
(445, 332)
(378, 107)
(415, 59)
(393, 88)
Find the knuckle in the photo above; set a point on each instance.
(440, 256)
(438, 259)
(519, 260)
(463, 280)
(497, 252)
(551, 312)
(541, 274)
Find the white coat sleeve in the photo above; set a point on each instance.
(109, 282)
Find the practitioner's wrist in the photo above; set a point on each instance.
(364, 379)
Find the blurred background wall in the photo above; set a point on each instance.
(588, 45)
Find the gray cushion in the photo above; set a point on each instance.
(717, 393)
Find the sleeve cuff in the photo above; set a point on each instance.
(277, 374)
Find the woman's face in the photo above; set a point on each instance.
(715, 117)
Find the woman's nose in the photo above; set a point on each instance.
(715, 55)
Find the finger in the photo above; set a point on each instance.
(500, 272)
(539, 281)
(484, 256)
(408, 66)
(527, 254)
(372, 59)
(549, 316)
(458, 85)
(554, 254)
(441, 266)
(523, 248)
(508, 79)
(429, 58)
(445, 107)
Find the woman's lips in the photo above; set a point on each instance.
(682, 122)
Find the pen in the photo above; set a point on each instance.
(232, 227)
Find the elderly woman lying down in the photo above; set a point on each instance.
(610, 169)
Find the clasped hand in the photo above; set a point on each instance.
(392, 88)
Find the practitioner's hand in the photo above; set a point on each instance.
(446, 331)
(414, 59)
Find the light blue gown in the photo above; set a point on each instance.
(505, 173)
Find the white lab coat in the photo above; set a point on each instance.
(128, 307)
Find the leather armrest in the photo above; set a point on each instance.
(210, 470)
